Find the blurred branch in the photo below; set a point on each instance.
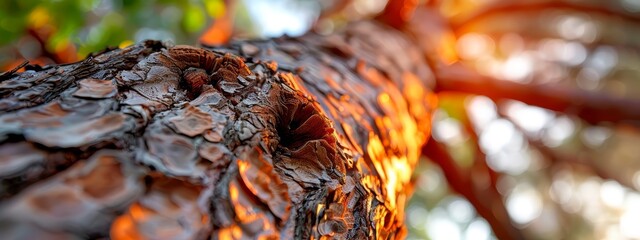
(593, 107)
(621, 45)
(6, 75)
(575, 159)
(435, 4)
(480, 159)
(398, 12)
(221, 29)
(66, 54)
(490, 206)
(602, 8)
(555, 157)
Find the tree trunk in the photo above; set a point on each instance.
(310, 137)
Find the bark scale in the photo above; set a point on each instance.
(310, 137)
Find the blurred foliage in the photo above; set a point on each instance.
(92, 25)
(60, 31)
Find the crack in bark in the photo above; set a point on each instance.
(258, 138)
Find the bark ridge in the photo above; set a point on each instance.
(310, 137)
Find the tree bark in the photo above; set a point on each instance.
(310, 137)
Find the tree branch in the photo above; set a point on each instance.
(8, 74)
(556, 157)
(480, 159)
(490, 206)
(435, 4)
(220, 30)
(528, 6)
(398, 12)
(592, 107)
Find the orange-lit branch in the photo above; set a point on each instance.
(488, 203)
(435, 4)
(7, 74)
(602, 8)
(221, 29)
(592, 107)
(398, 12)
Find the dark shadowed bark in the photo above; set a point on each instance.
(314, 137)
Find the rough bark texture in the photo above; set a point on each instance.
(314, 137)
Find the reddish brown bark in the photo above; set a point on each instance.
(290, 138)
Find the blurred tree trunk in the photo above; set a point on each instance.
(310, 137)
